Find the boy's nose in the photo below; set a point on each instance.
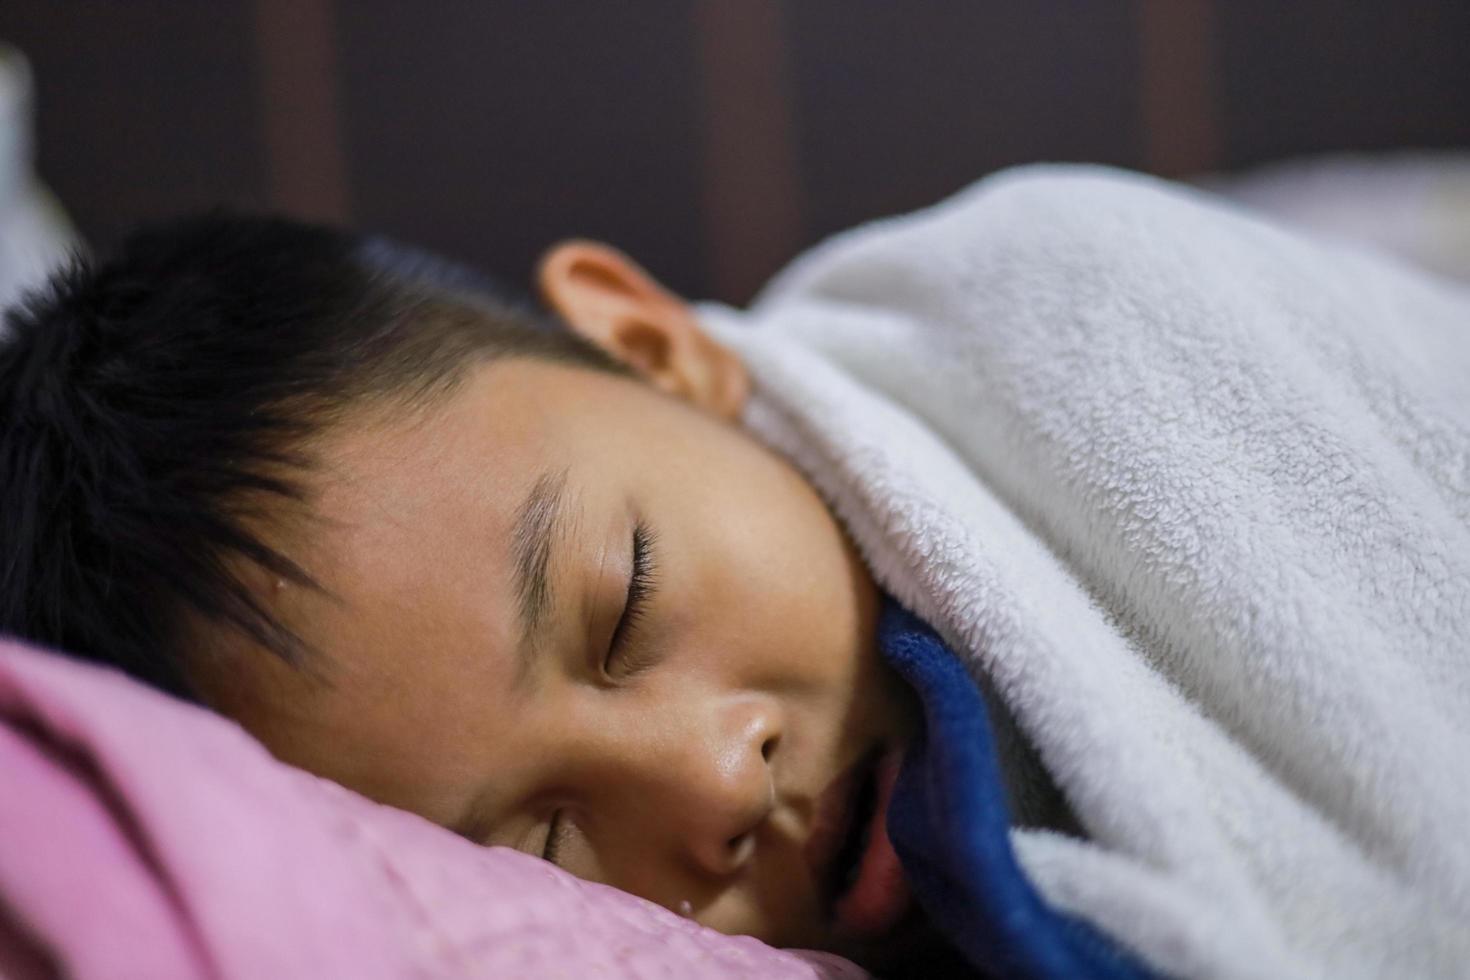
(723, 790)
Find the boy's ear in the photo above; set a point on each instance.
(608, 299)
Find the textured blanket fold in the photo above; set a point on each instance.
(1191, 495)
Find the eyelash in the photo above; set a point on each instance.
(556, 836)
(620, 657)
(642, 582)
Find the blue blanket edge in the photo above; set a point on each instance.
(950, 825)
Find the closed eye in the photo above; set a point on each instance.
(623, 657)
(556, 836)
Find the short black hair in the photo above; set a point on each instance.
(153, 405)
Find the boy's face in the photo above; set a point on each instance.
(482, 667)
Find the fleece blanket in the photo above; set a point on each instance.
(1190, 495)
(143, 837)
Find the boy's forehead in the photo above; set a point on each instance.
(438, 488)
(416, 624)
(417, 510)
(479, 426)
(463, 463)
(452, 470)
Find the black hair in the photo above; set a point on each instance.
(155, 407)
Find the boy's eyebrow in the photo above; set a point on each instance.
(532, 537)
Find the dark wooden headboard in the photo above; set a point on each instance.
(711, 139)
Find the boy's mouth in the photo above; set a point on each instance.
(849, 850)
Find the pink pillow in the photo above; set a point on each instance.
(143, 836)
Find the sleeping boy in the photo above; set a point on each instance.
(1187, 493)
(525, 578)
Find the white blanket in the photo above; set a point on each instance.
(1192, 494)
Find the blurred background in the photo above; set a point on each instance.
(710, 139)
